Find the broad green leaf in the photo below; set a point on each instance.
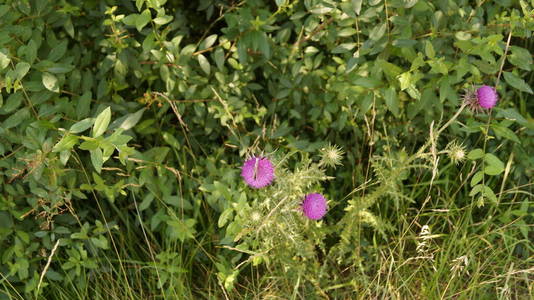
(130, 19)
(139, 4)
(225, 216)
(97, 159)
(345, 47)
(89, 145)
(102, 122)
(58, 51)
(377, 32)
(163, 20)
(429, 50)
(83, 105)
(146, 201)
(204, 64)
(505, 132)
(16, 118)
(520, 57)
(208, 42)
(143, 19)
(347, 32)
(66, 143)
(64, 157)
(357, 6)
(82, 125)
(132, 119)
(475, 154)
(488, 193)
(477, 178)
(392, 102)
(320, 10)
(50, 82)
(4, 59)
(494, 166)
(218, 55)
(171, 140)
(517, 82)
(21, 69)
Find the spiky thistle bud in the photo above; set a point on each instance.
(331, 155)
(456, 152)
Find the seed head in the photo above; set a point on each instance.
(331, 155)
(314, 206)
(258, 172)
(456, 152)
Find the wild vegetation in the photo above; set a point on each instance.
(266, 149)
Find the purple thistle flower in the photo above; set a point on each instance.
(314, 206)
(485, 97)
(258, 172)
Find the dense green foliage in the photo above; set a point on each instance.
(124, 124)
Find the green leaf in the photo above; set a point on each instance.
(218, 55)
(505, 132)
(4, 59)
(477, 178)
(390, 96)
(82, 125)
(357, 6)
(64, 157)
(429, 50)
(520, 57)
(146, 201)
(208, 42)
(102, 122)
(345, 47)
(494, 166)
(517, 82)
(488, 193)
(132, 119)
(83, 105)
(66, 143)
(97, 159)
(50, 82)
(143, 19)
(377, 32)
(475, 154)
(223, 218)
(15, 119)
(204, 64)
(320, 10)
(163, 20)
(171, 140)
(58, 51)
(139, 4)
(21, 70)
(89, 145)
(130, 19)
(345, 32)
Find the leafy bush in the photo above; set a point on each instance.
(124, 125)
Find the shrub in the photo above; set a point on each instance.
(124, 125)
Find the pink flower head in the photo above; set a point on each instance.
(314, 206)
(487, 97)
(484, 97)
(258, 172)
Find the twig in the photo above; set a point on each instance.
(47, 266)
(504, 58)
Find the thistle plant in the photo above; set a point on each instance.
(285, 218)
